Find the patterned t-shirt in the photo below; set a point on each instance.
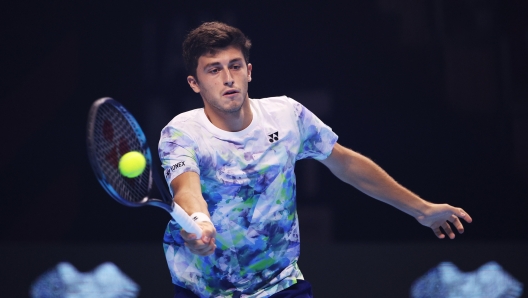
(248, 180)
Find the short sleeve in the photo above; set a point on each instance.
(177, 152)
(317, 138)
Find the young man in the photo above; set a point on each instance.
(231, 166)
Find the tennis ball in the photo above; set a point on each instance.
(132, 164)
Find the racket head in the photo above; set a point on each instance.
(112, 131)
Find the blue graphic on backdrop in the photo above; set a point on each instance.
(105, 281)
(447, 281)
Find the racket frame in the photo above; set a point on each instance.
(145, 150)
(154, 178)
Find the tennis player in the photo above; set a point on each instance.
(230, 165)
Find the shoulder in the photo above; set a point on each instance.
(186, 122)
(188, 117)
(275, 100)
(277, 104)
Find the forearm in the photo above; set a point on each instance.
(191, 203)
(372, 180)
(365, 175)
(187, 193)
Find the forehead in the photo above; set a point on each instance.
(221, 55)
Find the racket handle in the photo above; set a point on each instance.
(185, 221)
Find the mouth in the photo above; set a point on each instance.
(230, 92)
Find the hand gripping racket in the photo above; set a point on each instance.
(112, 132)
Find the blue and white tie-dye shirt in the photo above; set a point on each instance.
(248, 180)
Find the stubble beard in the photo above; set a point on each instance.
(228, 111)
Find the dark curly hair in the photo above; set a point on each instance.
(210, 37)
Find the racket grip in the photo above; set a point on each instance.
(185, 221)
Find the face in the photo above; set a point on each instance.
(222, 81)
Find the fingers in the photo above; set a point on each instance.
(208, 232)
(454, 219)
(203, 246)
(446, 228)
(462, 214)
(438, 233)
(443, 230)
(200, 248)
(189, 236)
(443, 219)
(456, 222)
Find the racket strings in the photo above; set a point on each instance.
(113, 136)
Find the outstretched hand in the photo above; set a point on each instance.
(203, 246)
(440, 217)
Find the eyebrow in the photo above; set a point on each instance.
(213, 64)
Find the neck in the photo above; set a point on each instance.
(230, 121)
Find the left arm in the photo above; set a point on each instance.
(362, 173)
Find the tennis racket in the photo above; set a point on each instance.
(112, 132)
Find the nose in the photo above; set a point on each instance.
(228, 80)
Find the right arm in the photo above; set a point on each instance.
(188, 195)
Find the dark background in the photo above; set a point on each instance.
(435, 92)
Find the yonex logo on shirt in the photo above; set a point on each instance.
(273, 137)
(174, 167)
(180, 164)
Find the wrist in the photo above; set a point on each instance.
(200, 217)
(421, 208)
(412, 205)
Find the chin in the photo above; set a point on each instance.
(233, 109)
(234, 106)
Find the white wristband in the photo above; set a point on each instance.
(200, 217)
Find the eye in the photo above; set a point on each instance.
(236, 67)
(213, 70)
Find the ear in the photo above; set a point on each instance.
(249, 69)
(193, 83)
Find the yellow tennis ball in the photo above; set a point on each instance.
(132, 164)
